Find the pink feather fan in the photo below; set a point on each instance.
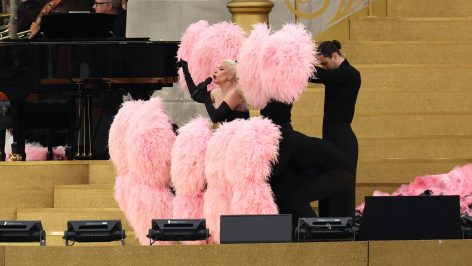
(287, 60)
(220, 41)
(248, 165)
(117, 133)
(148, 145)
(186, 49)
(249, 68)
(187, 168)
(218, 195)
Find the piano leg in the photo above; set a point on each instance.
(18, 127)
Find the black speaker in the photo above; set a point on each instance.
(256, 228)
(178, 230)
(411, 218)
(94, 231)
(22, 231)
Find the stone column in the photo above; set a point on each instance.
(246, 13)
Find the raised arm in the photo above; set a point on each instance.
(198, 92)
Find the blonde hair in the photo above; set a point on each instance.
(231, 64)
(232, 68)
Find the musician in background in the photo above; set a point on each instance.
(115, 7)
(27, 12)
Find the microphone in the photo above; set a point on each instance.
(205, 83)
(201, 87)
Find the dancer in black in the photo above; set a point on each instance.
(224, 104)
(308, 169)
(342, 82)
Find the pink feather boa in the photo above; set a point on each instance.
(457, 182)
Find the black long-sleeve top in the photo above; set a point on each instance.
(341, 88)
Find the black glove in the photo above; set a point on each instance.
(198, 92)
(217, 115)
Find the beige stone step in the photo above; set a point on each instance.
(415, 148)
(408, 52)
(101, 172)
(363, 190)
(390, 125)
(411, 29)
(429, 8)
(55, 219)
(31, 184)
(415, 77)
(375, 103)
(84, 196)
(386, 171)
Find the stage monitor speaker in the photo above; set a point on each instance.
(22, 231)
(178, 230)
(94, 231)
(256, 228)
(325, 229)
(411, 218)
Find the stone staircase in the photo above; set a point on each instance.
(414, 111)
(56, 192)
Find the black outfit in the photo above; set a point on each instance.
(341, 88)
(200, 94)
(308, 169)
(119, 28)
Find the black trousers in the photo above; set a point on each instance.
(342, 136)
(310, 169)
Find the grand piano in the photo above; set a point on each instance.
(82, 67)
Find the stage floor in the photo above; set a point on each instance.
(431, 252)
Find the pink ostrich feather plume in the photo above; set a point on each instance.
(121, 190)
(252, 150)
(116, 137)
(287, 61)
(147, 203)
(186, 47)
(149, 143)
(248, 67)
(188, 156)
(188, 166)
(248, 164)
(220, 41)
(59, 153)
(254, 199)
(36, 152)
(217, 198)
(189, 207)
